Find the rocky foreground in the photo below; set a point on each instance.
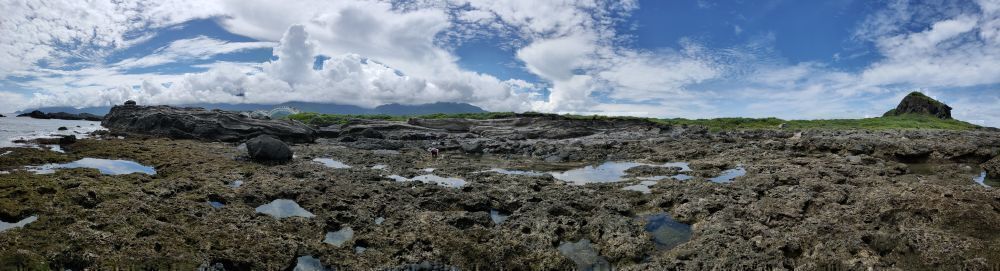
(810, 200)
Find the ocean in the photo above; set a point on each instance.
(14, 128)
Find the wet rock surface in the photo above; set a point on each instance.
(201, 124)
(822, 200)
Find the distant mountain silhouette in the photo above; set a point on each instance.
(386, 109)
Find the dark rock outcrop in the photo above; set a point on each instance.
(61, 115)
(918, 103)
(2, 116)
(992, 167)
(63, 128)
(201, 124)
(267, 148)
(66, 140)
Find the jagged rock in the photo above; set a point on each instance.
(328, 131)
(371, 133)
(62, 128)
(452, 125)
(992, 167)
(918, 103)
(130, 103)
(472, 147)
(2, 116)
(201, 124)
(267, 148)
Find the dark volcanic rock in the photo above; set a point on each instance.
(63, 128)
(918, 103)
(61, 115)
(2, 116)
(198, 123)
(371, 133)
(66, 140)
(267, 148)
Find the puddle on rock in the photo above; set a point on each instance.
(380, 167)
(513, 172)
(985, 181)
(379, 220)
(282, 208)
(498, 217)
(728, 175)
(330, 163)
(216, 204)
(338, 238)
(359, 249)
(308, 263)
(236, 184)
(643, 187)
(607, 172)
(432, 179)
(429, 170)
(666, 232)
(584, 255)
(4, 226)
(105, 166)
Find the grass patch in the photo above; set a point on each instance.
(902, 122)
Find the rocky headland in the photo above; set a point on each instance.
(518, 192)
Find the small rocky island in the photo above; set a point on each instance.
(216, 190)
(61, 115)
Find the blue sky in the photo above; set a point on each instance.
(694, 59)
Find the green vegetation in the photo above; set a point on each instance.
(908, 121)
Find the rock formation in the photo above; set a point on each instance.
(201, 124)
(61, 115)
(918, 103)
(267, 148)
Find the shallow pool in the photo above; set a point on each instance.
(105, 166)
(282, 208)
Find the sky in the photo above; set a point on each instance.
(690, 59)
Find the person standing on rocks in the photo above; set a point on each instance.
(434, 152)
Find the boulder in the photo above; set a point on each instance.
(63, 128)
(992, 167)
(918, 103)
(66, 140)
(2, 116)
(267, 148)
(130, 103)
(201, 124)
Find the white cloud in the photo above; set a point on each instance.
(200, 47)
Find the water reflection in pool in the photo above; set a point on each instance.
(4, 226)
(105, 166)
(730, 174)
(985, 181)
(308, 263)
(666, 232)
(431, 179)
(498, 216)
(330, 163)
(514, 172)
(584, 255)
(338, 238)
(607, 172)
(282, 208)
